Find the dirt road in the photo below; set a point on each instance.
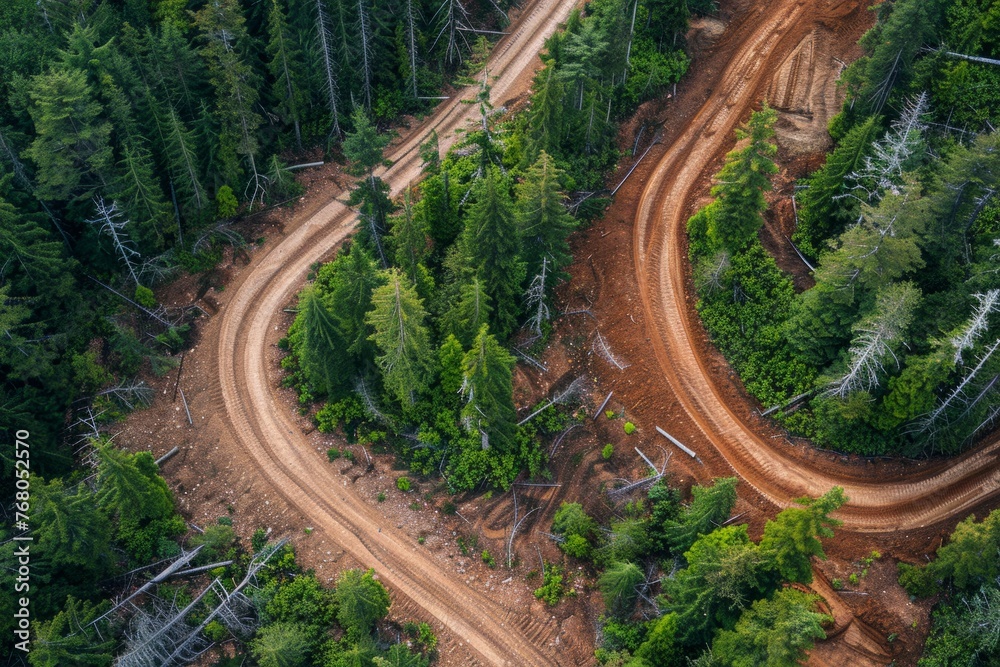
(880, 501)
(277, 446)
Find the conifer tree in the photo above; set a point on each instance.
(735, 216)
(323, 356)
(180, 149)
(141, 199)
(487, 388)
(793, 537)
(545, 118)
(221, 24)
(822, 210)
(468, 313)
(400, 333)
(490, 241)
(351, 278)
(542, 218)
(71, 149)
(363, 146)
(409, 240)
(286, 67)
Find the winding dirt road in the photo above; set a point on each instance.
(503, 637)
(277, 446)
(879, 501)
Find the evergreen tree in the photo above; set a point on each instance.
(775, 632)
(793, 537)
(71, 150)
(180, 148)
(710, 507)
(487, 388)
(490, 241)
(222, 29)
(141, 199)
(349, 281)
(70, 531)
(410, 242)
(661, 648)
(361, 600)
(726, 572)
(545, 118)
(280, 645)
(735, 216)
(323, 354)
(72, 639)
(468, 313)
(397, 319)
(363, 146)
(286, 68)
(619, 586)
(542, 218)
(823, 211)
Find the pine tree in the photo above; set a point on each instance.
(487, 388)
(71, 149)
(221, 24)
(361, 600)
(397, 319)
(735, 216)
(710, 506)
(468, 313)
(793, 537)
(410, 242)
(286, 68)
(141, 199)
(180, 149)
(822, 210)
(619, 586)
(545, 118)
(350, 281)
(69, 529)
(544, 223)
(775, 632)
(323, 356)
(490, 241)
(363, 146)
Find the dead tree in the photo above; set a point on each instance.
(534, 300)
(573, 392)
(977, 324)
(411, 45)
(453, 20)
(601, 348)
(165, 636)
(882, 171)
(928, 424)
(109, 223)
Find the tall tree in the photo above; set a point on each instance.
(362, 600)
(487, 388)
(71, 149)
(350, 280)
(397, 319)
(490, 241)
(323, 354)
(793, 537)
(542, 218)
(732, 220)
(468, 313)
(710, 507)
(223, 32)
(286, 68)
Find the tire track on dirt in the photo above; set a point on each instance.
(276, 445)
(901, 501)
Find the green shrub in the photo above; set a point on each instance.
(226, 204)
(488, 558)
(403, 483)
(552, 589)
(629, 428)
(332, 454)
(381, 496)
(608, 451)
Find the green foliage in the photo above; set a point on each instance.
(72, 639)
(487, 558)
(775, 632)
(362, 601)
(731, 222)
(218, 541)
(607, 451)
(710, 507)
(400, 333)
(280, 645)
(619, 586)
(661, 648)
(403, 483)
(793, 537)
(579, 530)
(552, 589)
(629, 428)
(226, 204)
(970, 560)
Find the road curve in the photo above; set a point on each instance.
(895, 502)
(279, 449)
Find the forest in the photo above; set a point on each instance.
(134, 135)
(727, 600)
(889, 351)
